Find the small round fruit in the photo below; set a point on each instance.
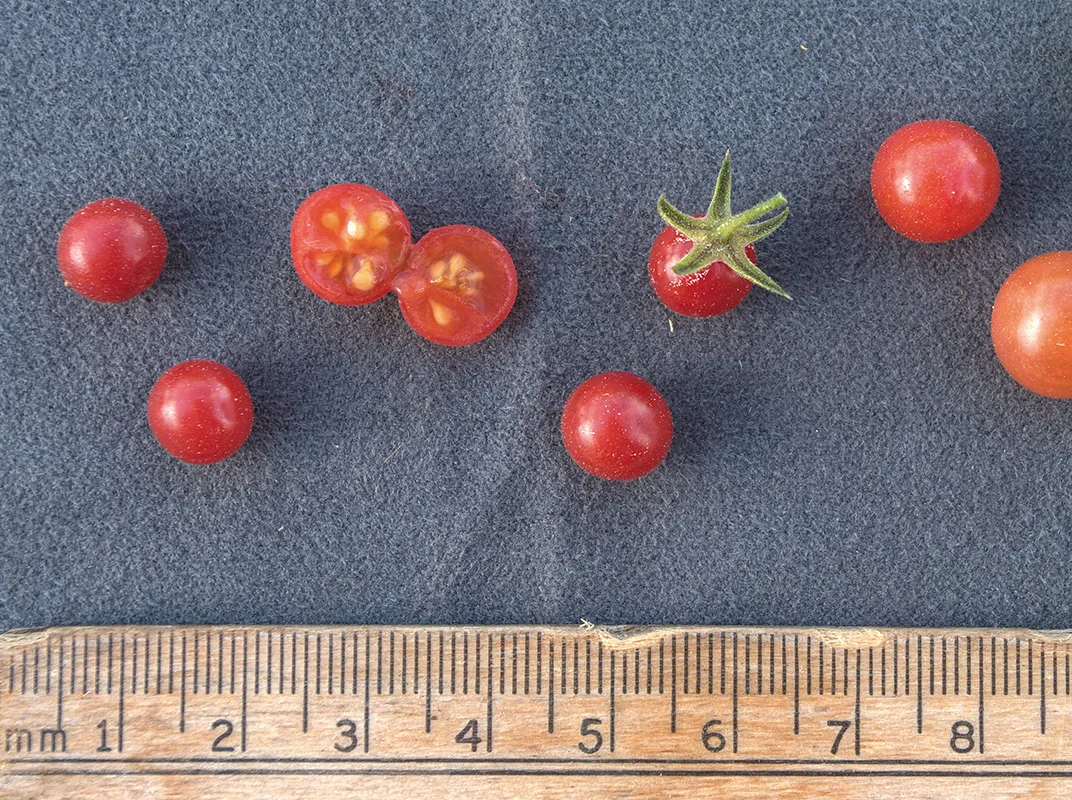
(617, 426)
(348, 241)
(713, 290)
(1031, 324)
(701, 265)
(935, 180)
(459, 285)
(111, 250)
(200, 411)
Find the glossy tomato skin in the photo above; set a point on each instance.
(713, 290)
(1031, 324)
(616, 425)
(200, 411)
(458, 287)
(348, 241)
(935, 180)
(111, 250)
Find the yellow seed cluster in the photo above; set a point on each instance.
(457, 274)
(355, 236)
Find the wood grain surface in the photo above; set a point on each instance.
(417, 712)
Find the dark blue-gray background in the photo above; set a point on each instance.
(856, 456)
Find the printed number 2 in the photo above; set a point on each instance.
(228, 729)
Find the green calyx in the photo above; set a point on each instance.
(722, 236)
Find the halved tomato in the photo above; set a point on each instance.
(459, 285)
(348, 241)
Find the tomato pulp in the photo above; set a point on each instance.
(348, 241)
(459, 285)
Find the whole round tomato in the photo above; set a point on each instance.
(701, 265)
(1031, 324)
(459, 285)
(348, 241)
(617, 426)
(111, 250)
(713, 290)
(200, 411)
(935, 180)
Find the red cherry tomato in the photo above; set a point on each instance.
(459, 285)
(111, 250)
(705, 264)
(1031, 324)
(616, 425)
(935, 180)
(348, 241)
(713, 290)
(200, 411)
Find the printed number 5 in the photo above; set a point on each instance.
(588, 729)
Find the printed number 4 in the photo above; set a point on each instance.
(470, 734)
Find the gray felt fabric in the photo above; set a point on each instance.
(856, 456)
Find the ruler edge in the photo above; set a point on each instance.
(614, 636)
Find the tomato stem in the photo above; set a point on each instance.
(723, 236)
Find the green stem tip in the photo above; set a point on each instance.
(720, 235)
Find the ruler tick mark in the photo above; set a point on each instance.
(354, 670)
(796, 683)
(673, 683)
(122, 684)
(551, 688)
(982, 727)
(368, 680)
(453, 663)
(588, 666)
(491, 688)
(856, 710)
(711, 663)
(245, 674)
(391, 665)
(379, 663)
(428, 680)
(465, 663)
(305, 689)
(919, 684)
(182, 700)
(735, 729)
(612, 699)
(476, 666)
(685, 670)
(896, 671)
(317, 665)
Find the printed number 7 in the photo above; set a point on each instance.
(844, 724)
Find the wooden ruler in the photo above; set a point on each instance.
(414, 712)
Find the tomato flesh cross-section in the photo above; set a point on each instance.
(458, 287)
(348, 241)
